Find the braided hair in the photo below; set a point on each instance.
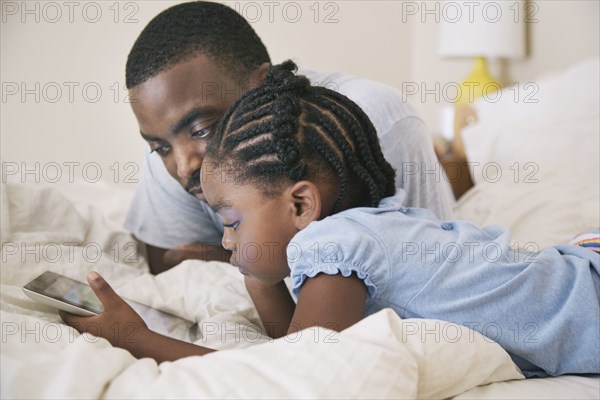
(286, 130)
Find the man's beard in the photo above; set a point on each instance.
(193, 183)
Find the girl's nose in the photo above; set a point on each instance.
(227, 243)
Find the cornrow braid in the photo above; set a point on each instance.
(286, 130)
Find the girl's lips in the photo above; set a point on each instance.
(242, 270)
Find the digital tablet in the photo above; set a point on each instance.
(77, 298)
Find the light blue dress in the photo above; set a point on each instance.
(543, 308)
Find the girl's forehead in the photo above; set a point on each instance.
(220, 187)
(210, 169)
(210, 180)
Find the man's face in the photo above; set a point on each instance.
(178, 111)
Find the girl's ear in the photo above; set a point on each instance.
(307, 204)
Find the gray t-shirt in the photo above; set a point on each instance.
(164, 215)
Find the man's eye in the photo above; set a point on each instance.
(161, 150)
(202, 133)
(233, 225)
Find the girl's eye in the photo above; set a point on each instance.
(233, 225)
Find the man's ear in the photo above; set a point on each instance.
(258, 75)
(305, 198)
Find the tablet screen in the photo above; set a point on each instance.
(81, 295)
(75, 293)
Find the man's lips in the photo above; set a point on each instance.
(198, 193)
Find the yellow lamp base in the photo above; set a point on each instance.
(479, 83)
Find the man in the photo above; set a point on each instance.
(189, 64)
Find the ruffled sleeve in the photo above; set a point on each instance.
(339, 245)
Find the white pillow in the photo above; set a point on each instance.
(380, 357)
(553, 120)
(536, 166)
(558, 96)
(527, 153)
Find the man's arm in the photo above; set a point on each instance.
(160, 260)
(155, 257)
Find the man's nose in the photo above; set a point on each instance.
(189, 159)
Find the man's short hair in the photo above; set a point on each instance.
(183, 31)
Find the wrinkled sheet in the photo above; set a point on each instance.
(383, 356)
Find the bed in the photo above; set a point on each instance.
(548, 196)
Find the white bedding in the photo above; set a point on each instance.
(380, 357)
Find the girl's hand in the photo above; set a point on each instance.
(118, 323)
(122, 327)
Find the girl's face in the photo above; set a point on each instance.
(257, 229)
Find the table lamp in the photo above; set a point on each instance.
(484, 30)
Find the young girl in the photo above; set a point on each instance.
(299, 179)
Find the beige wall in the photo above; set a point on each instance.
(72, 53)
(91, 124)
(364, 38)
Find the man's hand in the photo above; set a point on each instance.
(161, 260)
(118, 323)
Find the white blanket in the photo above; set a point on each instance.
(380, 357)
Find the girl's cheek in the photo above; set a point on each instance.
(251, 252)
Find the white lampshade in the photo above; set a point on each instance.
(493, 29)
